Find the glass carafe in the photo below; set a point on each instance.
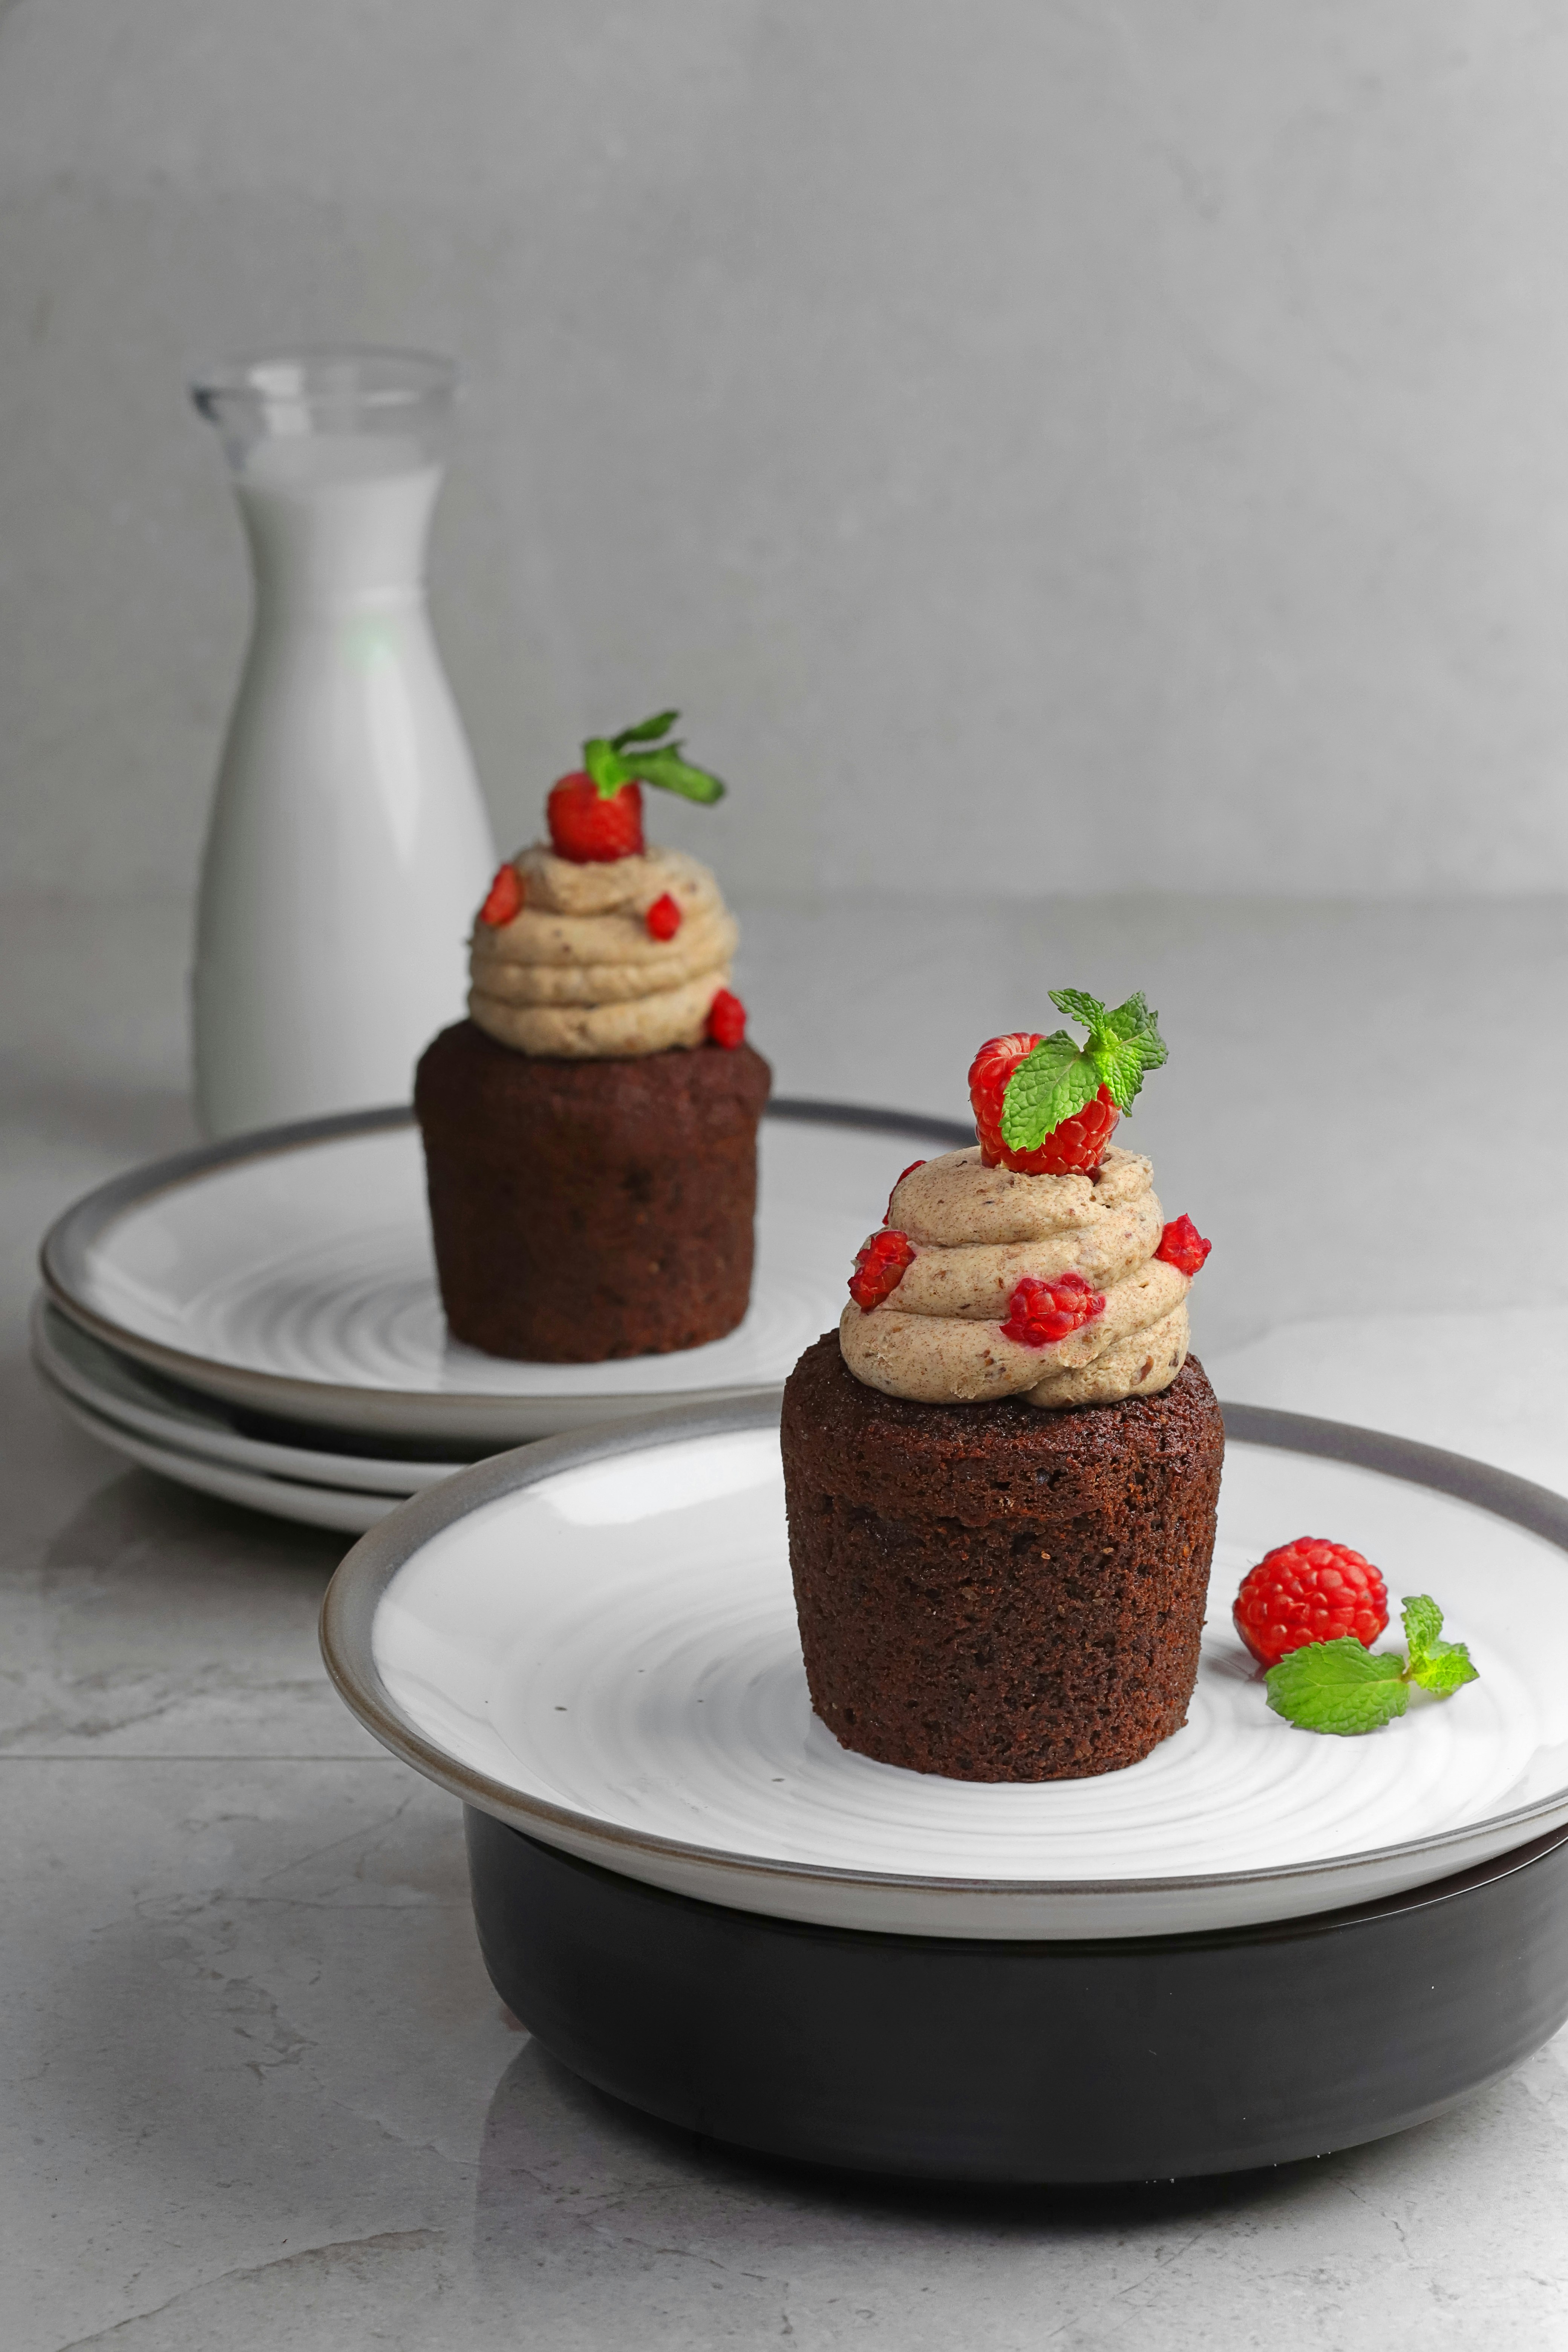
(348, 845)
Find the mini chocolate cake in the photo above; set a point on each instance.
(583, 1210)
(992, 1592)
(1002, 1469)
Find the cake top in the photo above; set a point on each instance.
(1039, 1263)
(600, 944)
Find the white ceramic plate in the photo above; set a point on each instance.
(347, 1509)
(118, 1389)
(291, 1273)
(595, 1640)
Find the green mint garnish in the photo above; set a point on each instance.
(636, 756)
(1061, 1076)
(1338, 1687)
(1438, 1665)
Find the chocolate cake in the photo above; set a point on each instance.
(991, 1592)
(586, 1210)
(591, 1129)
(1002, 1470)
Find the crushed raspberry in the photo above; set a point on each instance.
(663, 917)
(590, 829)
(505, 899)
(1309, 1591)
(727, 1020)
(879, 1267)
(1077, 1142)
(1041, 1313)
(1183, 1246)
(909, 1171)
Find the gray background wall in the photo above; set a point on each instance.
(1042, 447)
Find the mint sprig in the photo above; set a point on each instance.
(636, 756)
(1436, 1664)
(1338, 1687)
(1061, 1076)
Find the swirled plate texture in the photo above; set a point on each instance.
(605, 1653)
(293, 1274)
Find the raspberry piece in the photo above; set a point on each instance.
(1041, 1313)
(727, 1020)
(663, 917)
(505, 899)
(590, 829)
(1183, 1246)
(909, 1171)
(879, 1267)
(1309, 1591)
(1077, 1142)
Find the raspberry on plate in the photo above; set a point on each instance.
(1309, 1591)
(879, 1268)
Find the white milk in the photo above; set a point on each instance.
(349, 847)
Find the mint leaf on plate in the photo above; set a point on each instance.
(1436, 1664)
(1338, 1687)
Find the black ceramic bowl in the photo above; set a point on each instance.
(1137, 2058)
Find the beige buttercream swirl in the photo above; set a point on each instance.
(976, 1231)
(576, 972)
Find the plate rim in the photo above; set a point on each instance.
(298, 1501)
(62, 1251)
(158, 1425)
(350, 1603)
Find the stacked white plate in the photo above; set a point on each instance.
(260, 1320)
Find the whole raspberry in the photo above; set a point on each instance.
(1041, 1313)
(1183, 1246)
(727, 1020)
(591, 827)
(907, 1172)
(505, 899)
(1077, 1142)
(1309, 1591)
(879, 1268)
(663, 917)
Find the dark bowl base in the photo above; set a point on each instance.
(939, 2058)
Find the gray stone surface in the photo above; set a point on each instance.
(1138, 425)
(258, 2095)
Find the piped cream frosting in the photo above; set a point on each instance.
(976, 1231)
(576, 972)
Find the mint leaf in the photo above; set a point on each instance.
(1338, 1687)
(1436, 1664)
(1080, 1007)
(1048, 1086)
(1130, 1019)
(1422, 1622)
(647, 731)
(1446, 1672)
(667, 768)
(606, 767)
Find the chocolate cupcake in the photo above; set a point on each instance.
(1002, 1471)
(589, 1131)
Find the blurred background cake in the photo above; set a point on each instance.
(590, 1129)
